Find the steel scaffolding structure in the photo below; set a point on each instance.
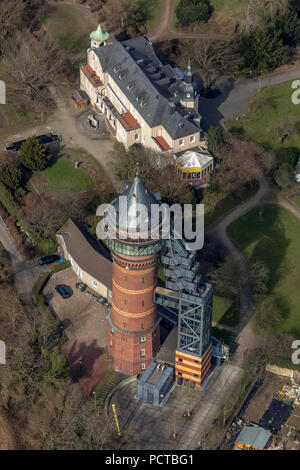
(188, 295)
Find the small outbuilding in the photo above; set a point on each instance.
(194, 166)
(80, 99)
(252, 438)
(155, 384)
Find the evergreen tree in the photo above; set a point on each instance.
(10, 176)
(262, 51)
(191, 11)
(216, 138)
(33, 154)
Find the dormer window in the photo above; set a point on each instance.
(117, 69)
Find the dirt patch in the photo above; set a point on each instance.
(87, 362)
(263, 397)
(7, 438)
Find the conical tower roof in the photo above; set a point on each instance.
(135, 200)
(99, 35)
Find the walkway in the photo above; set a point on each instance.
(246, 339)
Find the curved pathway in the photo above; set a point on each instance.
(246, 338)
(165, 31)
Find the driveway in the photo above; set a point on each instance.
(80, 315)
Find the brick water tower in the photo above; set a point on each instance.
(133, 325)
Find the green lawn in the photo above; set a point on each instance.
(156, 10)
(230, 8)
(271, 234)
(296, 200)
(224, 311)
(63, 177)
(71, 26)
(277, 111)
(218, 205)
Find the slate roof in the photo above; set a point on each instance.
(151, 87)
(90, 256)
(136, 194)
(253, 436)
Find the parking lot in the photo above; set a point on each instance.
(85, 325)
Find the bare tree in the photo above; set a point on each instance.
(30, 67)
(240, 165)
(46, 218)
(214, 58)
(11, 18)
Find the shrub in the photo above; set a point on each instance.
(262, 51)
(10, 175)
(33, 154)
(191, 11)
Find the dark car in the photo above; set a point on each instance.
(48, 259)
(63, 291)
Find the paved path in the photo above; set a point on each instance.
(9, 244)
(149, 427)
(63, 122)
(246, 339)
(236, 95)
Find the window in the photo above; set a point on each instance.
(188, 95)
(136, 137)
(181, 142)
(196, 375)
(196, 362)
(180, 360)
(143, 366)
(180, 374)
(143, 280)
(142, 352)
(142, 303)
(94, 284)
(142, 339)
(192, 138)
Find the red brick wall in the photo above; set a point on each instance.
(133, 310)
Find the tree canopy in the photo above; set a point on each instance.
(191, 11)
(10, 175)
(33, 155)
(263, 50)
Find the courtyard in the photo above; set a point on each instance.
(84, 324)
(144, 426)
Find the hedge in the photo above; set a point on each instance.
(46, 245)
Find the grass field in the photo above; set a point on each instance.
(218, 205)
(62, 177)
(71, 26)
(296, 200)
(277, 111)
(271, 234)
(225, 312)
(156, 9)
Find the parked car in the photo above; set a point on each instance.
(63, 291)
(48, 259)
